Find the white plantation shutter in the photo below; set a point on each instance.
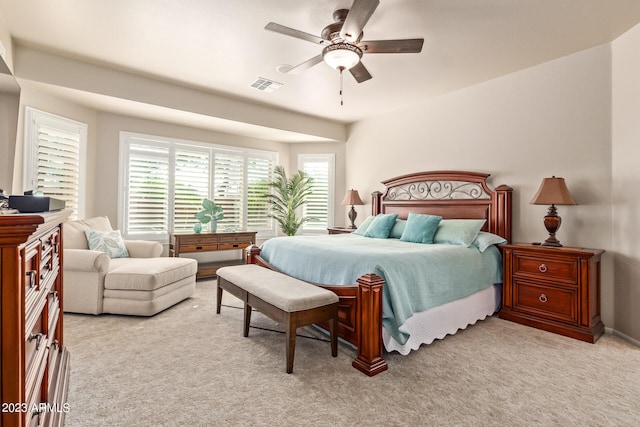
(259, 174)
(54, 158)
(228, 187)
(147, 209)
(319, 204)
(191, 186)
(165, 180)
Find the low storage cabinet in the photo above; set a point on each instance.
(554, 289)
(35, 362)
(185, 243)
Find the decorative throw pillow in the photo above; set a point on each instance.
(420, 228)
(109, 242)
(458, 231)
(484, 240)
(365, 225)
(398, 229)
(381, 226)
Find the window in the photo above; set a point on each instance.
(55, 158)
(164, 181)
(319, 205)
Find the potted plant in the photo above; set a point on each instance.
(210, 213)
(287, 196)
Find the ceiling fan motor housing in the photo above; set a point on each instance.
(332, 31)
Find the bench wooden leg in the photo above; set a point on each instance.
(247, 318)
(291, 329)
(333, 335)
(219, 301)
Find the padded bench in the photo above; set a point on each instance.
(284, 299)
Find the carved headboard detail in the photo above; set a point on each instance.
(450, 194)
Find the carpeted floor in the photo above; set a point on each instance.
(190, 367)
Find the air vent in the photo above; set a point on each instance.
(266, 85)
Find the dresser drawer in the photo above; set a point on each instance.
(555, 303)
(564, 269)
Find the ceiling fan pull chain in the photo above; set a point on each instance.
(341, 97)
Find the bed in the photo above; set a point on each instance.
(374, 315)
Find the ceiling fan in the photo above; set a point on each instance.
(343, 41)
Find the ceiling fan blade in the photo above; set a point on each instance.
(392, 46)
(301, 67)
(358, 16)
(360, 72)
(272, 26)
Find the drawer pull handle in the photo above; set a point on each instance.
(38, 338)
(543, 298)
(31, 274)
(236, 245)
(198, 247)
(543, 268)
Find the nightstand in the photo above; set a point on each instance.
(340, 230)
(555, 289)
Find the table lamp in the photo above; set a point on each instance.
(553, 191)
(352, 198)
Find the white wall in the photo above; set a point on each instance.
(552, 119)
(626, 181)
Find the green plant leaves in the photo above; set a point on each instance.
(210, 212)
(287, 197)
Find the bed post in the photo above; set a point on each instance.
(252, 251)
(376, 199)
(369, 321)
(503, 212)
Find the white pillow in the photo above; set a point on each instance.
(458, 231)
(484, 240)
(109, 242)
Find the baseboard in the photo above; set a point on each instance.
(621, 335)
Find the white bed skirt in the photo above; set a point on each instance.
(447, 319)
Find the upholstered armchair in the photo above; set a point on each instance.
(142, 283)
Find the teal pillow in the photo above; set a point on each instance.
(364, 226)
(458, 231)
(381, 226)
(420, 228)
(109, 242)
(484, 240)
(398, 229)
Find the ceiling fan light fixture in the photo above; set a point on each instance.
(341, 55)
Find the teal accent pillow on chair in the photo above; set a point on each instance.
(109, 242)
(381, 226)
(420, 228)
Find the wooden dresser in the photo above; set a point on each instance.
(181, 243)
(555, 289)
(35, 363)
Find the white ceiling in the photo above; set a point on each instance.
(222, 47)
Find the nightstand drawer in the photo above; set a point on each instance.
(565, 269)
(550, 302)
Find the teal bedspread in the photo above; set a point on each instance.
(417, 276)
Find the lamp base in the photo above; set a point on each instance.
(552, 223)
(352, 216)
(552, 241)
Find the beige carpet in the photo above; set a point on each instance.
(188, 366)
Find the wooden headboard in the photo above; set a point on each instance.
(450, 194)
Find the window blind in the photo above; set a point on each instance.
(165, 181)
(319, 206)
(191, 186)
(54, 158)
(148, 189)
